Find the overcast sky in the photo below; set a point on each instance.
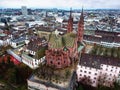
(65, 4)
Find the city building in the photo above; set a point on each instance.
(18, 42)
(24, 10)
(105, 38)
(34, 52)
(97, 70)
(63, 51)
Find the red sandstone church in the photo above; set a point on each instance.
(62, 50)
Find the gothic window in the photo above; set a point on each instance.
(65, 48)
(51, 62)
(58, 63)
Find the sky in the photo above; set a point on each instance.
(63, 4)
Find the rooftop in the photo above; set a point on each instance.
(57, 41)
(19, 39)
(106, 33)
(95, 61)
(95, 38)
(36, 43)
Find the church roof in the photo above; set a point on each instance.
(57, 41)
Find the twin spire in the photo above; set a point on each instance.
(80, 25)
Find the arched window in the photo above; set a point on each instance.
(58, 63)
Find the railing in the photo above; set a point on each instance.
(14, 55)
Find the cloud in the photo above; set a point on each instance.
(89, 4)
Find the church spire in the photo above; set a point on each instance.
(70, 13)
(82, 17)
(81, 27)
(70, 22)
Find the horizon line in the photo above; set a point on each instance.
(65, 8)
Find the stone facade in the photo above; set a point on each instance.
(58, 58)
(62, 50)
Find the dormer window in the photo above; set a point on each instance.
(65, 49)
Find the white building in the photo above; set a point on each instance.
(4, 39)
(98, 70)
(31, 62)
(31, 56)
(24, 11)
(104, 38)
(18, 42)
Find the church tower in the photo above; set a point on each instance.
(81, 27)
(70, 23)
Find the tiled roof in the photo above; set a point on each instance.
(106, 33)
(36, 43)
(95, 61)
(109, 39)
(46, 29)
(61, 41)
(19, 39)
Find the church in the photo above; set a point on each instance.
(63, 50)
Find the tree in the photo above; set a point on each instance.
(23, 72)
(94, 50)
(86, 81)
(11, 75)
(105, 52)
(67, 73)
(116, 86)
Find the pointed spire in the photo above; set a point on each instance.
(70, 22)
(82, 16)
(70, 12)
(81, 27)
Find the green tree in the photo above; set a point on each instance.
(116, 86)
(67, 73)
(11, 75)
